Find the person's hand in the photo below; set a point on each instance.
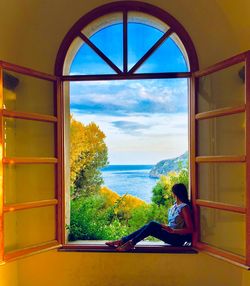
(167, 228)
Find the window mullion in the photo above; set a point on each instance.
(247, 98)
(30, 205)
(125, 41)
(49, 245)
(60, 180)
(1, 169)
(193, 141)
(29, 116)
(220, 112)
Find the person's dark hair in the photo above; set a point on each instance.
(181, 193)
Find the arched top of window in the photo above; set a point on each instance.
(126, 38)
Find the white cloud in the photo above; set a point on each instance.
(165, 137)
(132, 95)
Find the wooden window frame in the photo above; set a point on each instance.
(57, 161)
(195, 117)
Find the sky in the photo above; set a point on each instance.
(145, 121)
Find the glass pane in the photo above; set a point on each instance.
(106, 33)
(29, 227)
(222, 182)
(27, 138)
(222, 135)
(26, 183)
(141, 38)
(223, 229)
(167, 58)
(224, 88)
(28, 94)
(110, 41)
(88, 62)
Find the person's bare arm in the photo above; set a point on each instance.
(188, 229)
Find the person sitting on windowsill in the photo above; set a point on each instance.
(178, 231)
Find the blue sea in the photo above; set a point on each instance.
(131, 179)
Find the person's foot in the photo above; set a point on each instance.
(129, 245)
(114, 243)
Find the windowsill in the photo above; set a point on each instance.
(141, 247)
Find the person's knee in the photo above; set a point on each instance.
(153, 225)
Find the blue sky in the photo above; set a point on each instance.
(145, 121)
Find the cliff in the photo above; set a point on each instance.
(165, 166)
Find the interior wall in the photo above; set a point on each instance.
(245, 278)
(95, 269)
(33, 31)
(9, 274)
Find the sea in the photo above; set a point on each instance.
(130, 179)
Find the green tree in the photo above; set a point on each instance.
(159, 192)
(162, 194)
(92, 218)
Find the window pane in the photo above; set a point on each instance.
(222, 135)
(27, 138)
(222, 182)
(26, 183)
(29, 227)
(167, 58)
(223, 229)
(141, 38)
(143, 32)
(106, 33)
(224, 88)
(86, 61)
(28, 94)
(110, 41)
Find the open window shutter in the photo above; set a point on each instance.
(31, 161)
(220, 147)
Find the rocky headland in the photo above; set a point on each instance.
(165, 166)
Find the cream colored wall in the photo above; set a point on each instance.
(245, 278)
(9, 274)
(108, 269)
(31, 33)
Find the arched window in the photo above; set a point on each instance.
(127, 41)
(121, 53)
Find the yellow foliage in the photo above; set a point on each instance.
(77, 137)
(110, 196)
(85, 142)
(126, 203)
(129, 202)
